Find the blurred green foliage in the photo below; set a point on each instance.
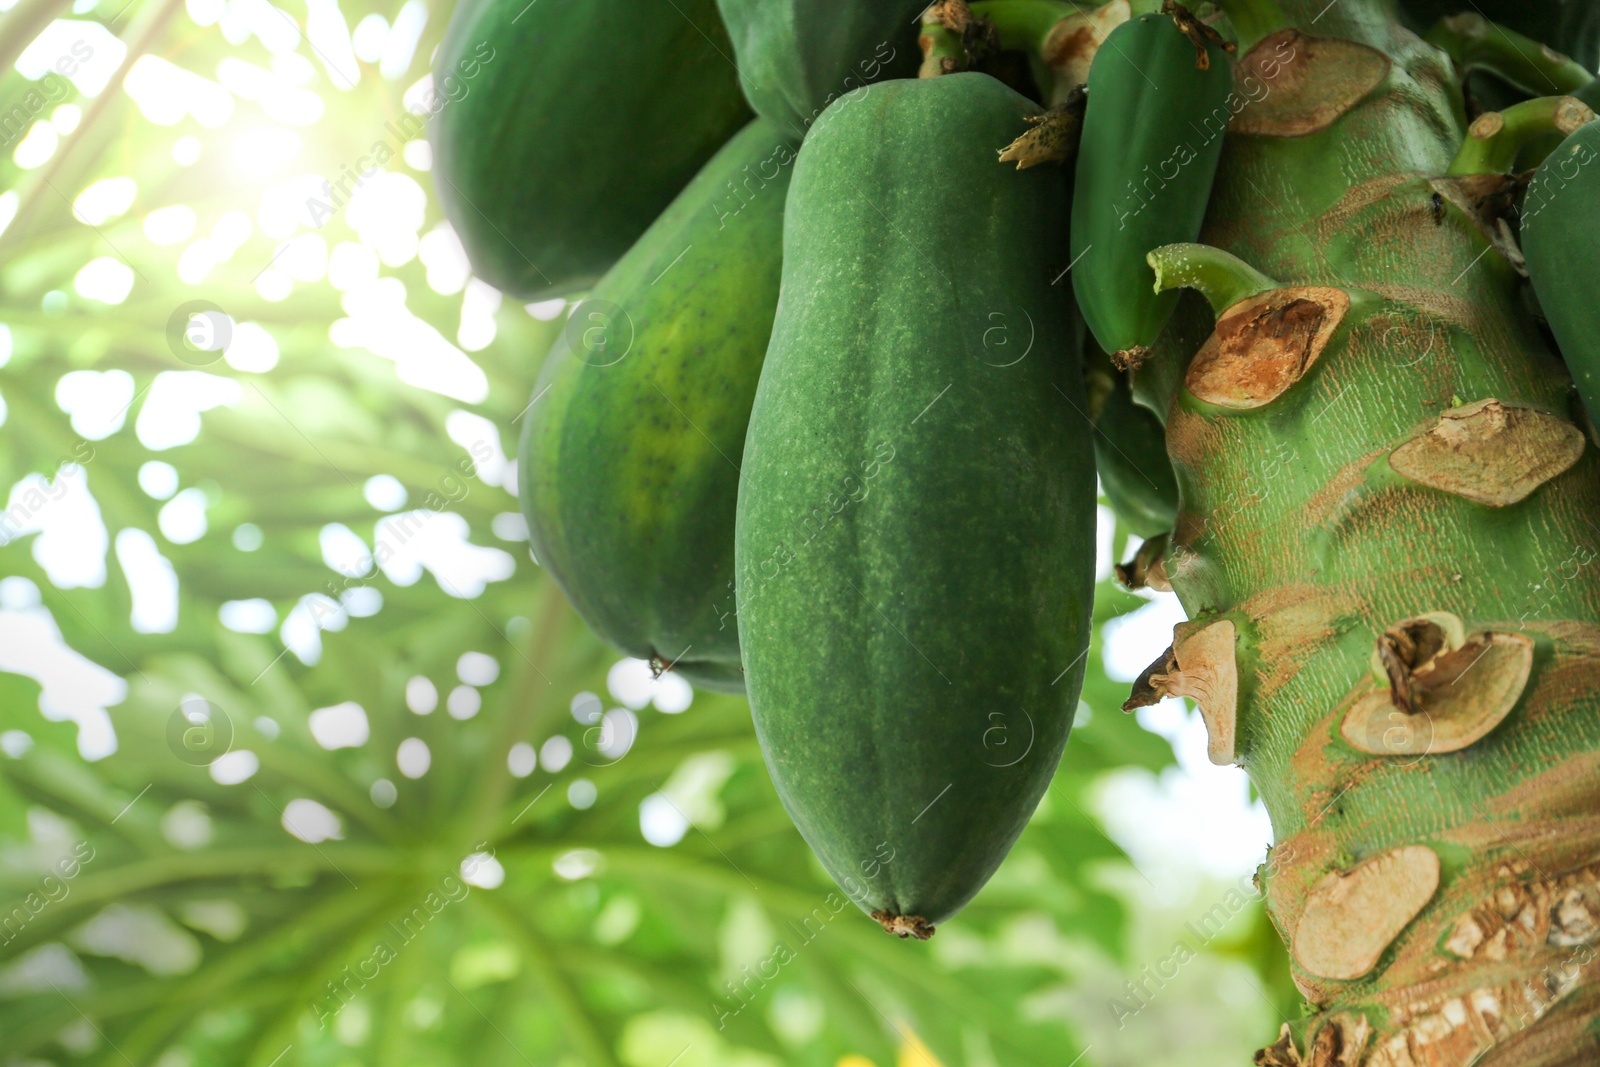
(316, 910)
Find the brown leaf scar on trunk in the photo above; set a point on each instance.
(1446, 690)
(1341, 1041)
(1352, 916)
(1201, 665)
(1296, 85)
(1148, 567)
(1525, 915)
(904, 926)
(1264, 344)
(1071, 44)
(1490, 452)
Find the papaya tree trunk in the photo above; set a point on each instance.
(1386, 549)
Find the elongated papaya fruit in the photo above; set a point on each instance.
(562, 128)
(916, 509)
(1560, 221)
(630, 450)
(1130, 454)
(1152, 135)
(796, 57)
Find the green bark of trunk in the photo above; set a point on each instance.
(1386, 548)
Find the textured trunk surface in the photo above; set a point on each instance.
(1437, 871)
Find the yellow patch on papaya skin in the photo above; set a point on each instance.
(904, 926)
(1264, 344)
(1351, 916)
(1293, 84)
(1200, 665)
(1490, 452)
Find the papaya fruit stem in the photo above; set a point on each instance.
(1496, 138)
(953, 38)
(1474, 43)
(1060, 39)
(1253, 19)
(942, 51)
(1023, 25)
(1221, 277)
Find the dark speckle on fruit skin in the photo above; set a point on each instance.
(630, 470)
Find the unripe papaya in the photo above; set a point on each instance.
(1569, 26)
(796, 57)
(563, 128)
(630, 450)
(915, 537)
(1560, 221)
(1152, 134)
(1130, 454)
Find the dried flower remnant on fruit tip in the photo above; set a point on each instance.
(1130, 359)
(1200, 35)
(1264, 344)
(1490, 452)
(1351, 916)
(904, 926)
(1053, 137)
(1201, 664)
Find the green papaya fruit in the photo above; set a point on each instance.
(1590, 94)
(1560, 218)
(562, 128)
(1503, 67)
(1130, 455)
(796, 57)
(915, 536)
(1152, 134)
(630, 449)
(1569, 26)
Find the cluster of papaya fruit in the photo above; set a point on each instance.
(1544, 151)
(825, 427)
